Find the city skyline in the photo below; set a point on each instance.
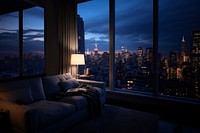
(132, 30)
(33, 33)
(134, 23)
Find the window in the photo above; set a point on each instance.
(93, 33)
(175, 57)
(179, 44)
(22, 50)
(133, 45)
(9, 45)
(33, 41)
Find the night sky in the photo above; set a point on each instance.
(134, 22)
(134, 28)
(33, 33)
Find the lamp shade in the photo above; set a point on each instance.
(77, 59)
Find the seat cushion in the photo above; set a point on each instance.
(79, 101)
(50, 112)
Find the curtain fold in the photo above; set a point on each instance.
(68, 41)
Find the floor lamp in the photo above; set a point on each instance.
(77, 59)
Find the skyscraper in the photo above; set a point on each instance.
(173, 59)
(195, 61)
(184, 55)
(81, 35)
(149, 54)
(96, 49)
(81, 40)
(140, 56)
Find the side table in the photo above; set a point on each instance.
(88, 77)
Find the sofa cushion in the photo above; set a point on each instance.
(20, 96)
(68, 75)
(79, 101)
(50, 85)
(50, 112)
(61, 77)
(37, 89)
(68, 84)
(35, 86)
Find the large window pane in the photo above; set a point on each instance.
(179, 48)
(33, 41)
(93, 34)
(133, 45)
(9, 45)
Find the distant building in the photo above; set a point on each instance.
(96, 49)
(81, 40)
(81, 35)
(173, 59)
(184, 52)
(149, 54)
(195, 61)
(140, 56)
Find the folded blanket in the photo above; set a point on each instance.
(88, 91)
(92, 96)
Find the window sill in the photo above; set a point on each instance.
(136, 94)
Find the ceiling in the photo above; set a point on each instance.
(80, 1)
(7, 6)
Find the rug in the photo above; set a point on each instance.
(116, 119)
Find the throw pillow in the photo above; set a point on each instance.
(70, 83)
(68, 76)
(50, 85)
(37, 90)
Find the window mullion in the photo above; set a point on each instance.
(112, 42)
(155, 46)
(20, 43)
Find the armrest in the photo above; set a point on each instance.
(99, 84)
(22, 117)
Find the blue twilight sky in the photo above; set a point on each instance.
(134, 29)
(33, 33)
(177, 18)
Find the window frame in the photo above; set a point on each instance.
(21, 51)
(155, 93)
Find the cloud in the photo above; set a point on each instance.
(33, 35)
(33, 40)
(33, 46)
(96, 36)
(3, 30)
(32, 32)
(128, 24)
(35, 12)
(97, 26)
(134, 23)
(39, 39)
(9, 41)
